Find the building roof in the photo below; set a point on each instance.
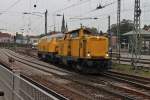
(143, 32)
(4, 35)
(49, 37)
(34, 36)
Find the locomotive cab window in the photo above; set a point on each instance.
(87, 33)
(74, 34)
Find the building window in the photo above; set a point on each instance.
(34, 41)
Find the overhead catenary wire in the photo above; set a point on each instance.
(123, 11)
(73, 5)
(97, 8)
(102, 6)
(99, 16)
(11, 6)
(112, 13)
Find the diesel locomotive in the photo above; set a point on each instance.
(80, 49)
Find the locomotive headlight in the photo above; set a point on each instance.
(107, 55)
(88, 54)
(97, 37)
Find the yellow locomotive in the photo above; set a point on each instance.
(80, 49)
(48, 46)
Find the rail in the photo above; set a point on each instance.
(17, 87)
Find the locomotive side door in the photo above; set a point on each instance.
(69, 47)
(82, 48)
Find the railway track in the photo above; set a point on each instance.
(126, 60)
(102, 85)
(57, 95)
(144, 62)
(33, 62)
(137, 85)
(135, 80)
(132, 77)
(128, 86)
(47, 71)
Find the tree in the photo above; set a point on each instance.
(93, 29)
(125, 26)
(146, 27)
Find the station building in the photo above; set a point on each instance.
(145, 41)
(6, 38)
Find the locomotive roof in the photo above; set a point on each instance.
(85, 29)
(53, 35)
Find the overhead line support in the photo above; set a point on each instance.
(136, 39)
(118, 29)
(46, 21)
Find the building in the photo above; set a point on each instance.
(6, 38)
(145, 40)
(113, 42)
(33, 39)
(20, 39)
(64, 28)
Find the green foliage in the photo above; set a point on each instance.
(146, 27)
(93, 29)
(125, 26)
(42, 35)
(123, 68)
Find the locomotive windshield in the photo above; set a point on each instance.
(74, 34)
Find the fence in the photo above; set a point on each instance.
(17, 88)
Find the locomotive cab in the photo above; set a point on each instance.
(85, 51)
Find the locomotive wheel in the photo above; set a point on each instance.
(74, 66)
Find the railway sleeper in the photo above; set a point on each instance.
(129, 90)
(147, 87)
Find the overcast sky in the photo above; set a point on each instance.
(13, 20)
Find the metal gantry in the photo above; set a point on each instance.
(136, 39)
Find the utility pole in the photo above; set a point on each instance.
(110, 39)
(118, 29)
(136, 39)
(109, 34)
(109, 24)
(46, 21)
